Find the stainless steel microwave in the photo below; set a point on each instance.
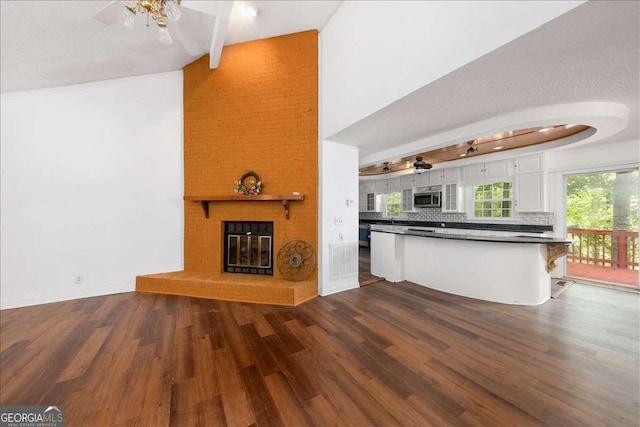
(429, 199)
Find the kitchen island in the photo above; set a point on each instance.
(505, 269)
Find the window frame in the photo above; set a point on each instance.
(471, 212)
(385, 203)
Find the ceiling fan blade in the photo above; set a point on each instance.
(109, 14)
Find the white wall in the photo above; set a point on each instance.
(339, 183)
(91, 186)
(376, 52)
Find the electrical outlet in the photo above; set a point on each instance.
(78, 280)
(338, 221)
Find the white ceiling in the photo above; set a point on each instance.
(55, 43)
(591, 53)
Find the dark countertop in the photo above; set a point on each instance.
(465, 225)
(475, 238)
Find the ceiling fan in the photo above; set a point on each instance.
(167, 15)
(420, 166)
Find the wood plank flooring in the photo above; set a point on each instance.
(384, 355)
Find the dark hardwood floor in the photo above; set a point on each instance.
(381, 355)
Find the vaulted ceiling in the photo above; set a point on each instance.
(54, 43)
(589, 54)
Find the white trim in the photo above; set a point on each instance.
(341, 288)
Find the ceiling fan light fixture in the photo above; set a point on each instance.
(419, 166)
(172, 11)
(158, 10)
(128, 18)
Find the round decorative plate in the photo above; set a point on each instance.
(296, 260)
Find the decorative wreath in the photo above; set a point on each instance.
(249, 184)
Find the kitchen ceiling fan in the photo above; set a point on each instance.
(420, 166)
(167, 15)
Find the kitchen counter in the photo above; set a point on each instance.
(505, 269)
(487, 226)
(478, 238)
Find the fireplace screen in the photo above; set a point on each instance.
(248, 247)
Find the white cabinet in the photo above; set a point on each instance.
(529, 164)
(472, 172)
(451, 198)
(439, 177)
(451, 175)
(487, 170)
(422, 179)
(408, 181)
(381, 186)
(530, 184)
(368, 203)
(367, 197)
(406, 200)
(368, 187)
(435, 177)
(393, 185)
(529, 192)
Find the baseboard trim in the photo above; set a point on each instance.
(64, 296)
(341, 288)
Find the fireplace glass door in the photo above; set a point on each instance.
(248, 247)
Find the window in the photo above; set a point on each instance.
(493, 200)
(393, 205)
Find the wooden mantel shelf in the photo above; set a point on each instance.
(284, 198)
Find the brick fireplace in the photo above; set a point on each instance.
(257, 112)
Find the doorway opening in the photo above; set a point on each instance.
(602, 223)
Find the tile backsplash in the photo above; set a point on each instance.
(435, 214)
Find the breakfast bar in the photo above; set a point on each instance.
(504, 269)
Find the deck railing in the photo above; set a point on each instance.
(606, 248)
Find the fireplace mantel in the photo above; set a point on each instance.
(284, 198)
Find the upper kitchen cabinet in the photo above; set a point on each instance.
(529, 164)
(408, 181)
(367, 187)
(529, 192)
(367, 197)
(439, 177)
(451, 175)
(451, 198)
(487, 170)
(423, 179)
(530, 184)
(406, 200)
(382, 185)
(393, 185)
(435, 177)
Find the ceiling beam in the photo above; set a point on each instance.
(221, 10)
